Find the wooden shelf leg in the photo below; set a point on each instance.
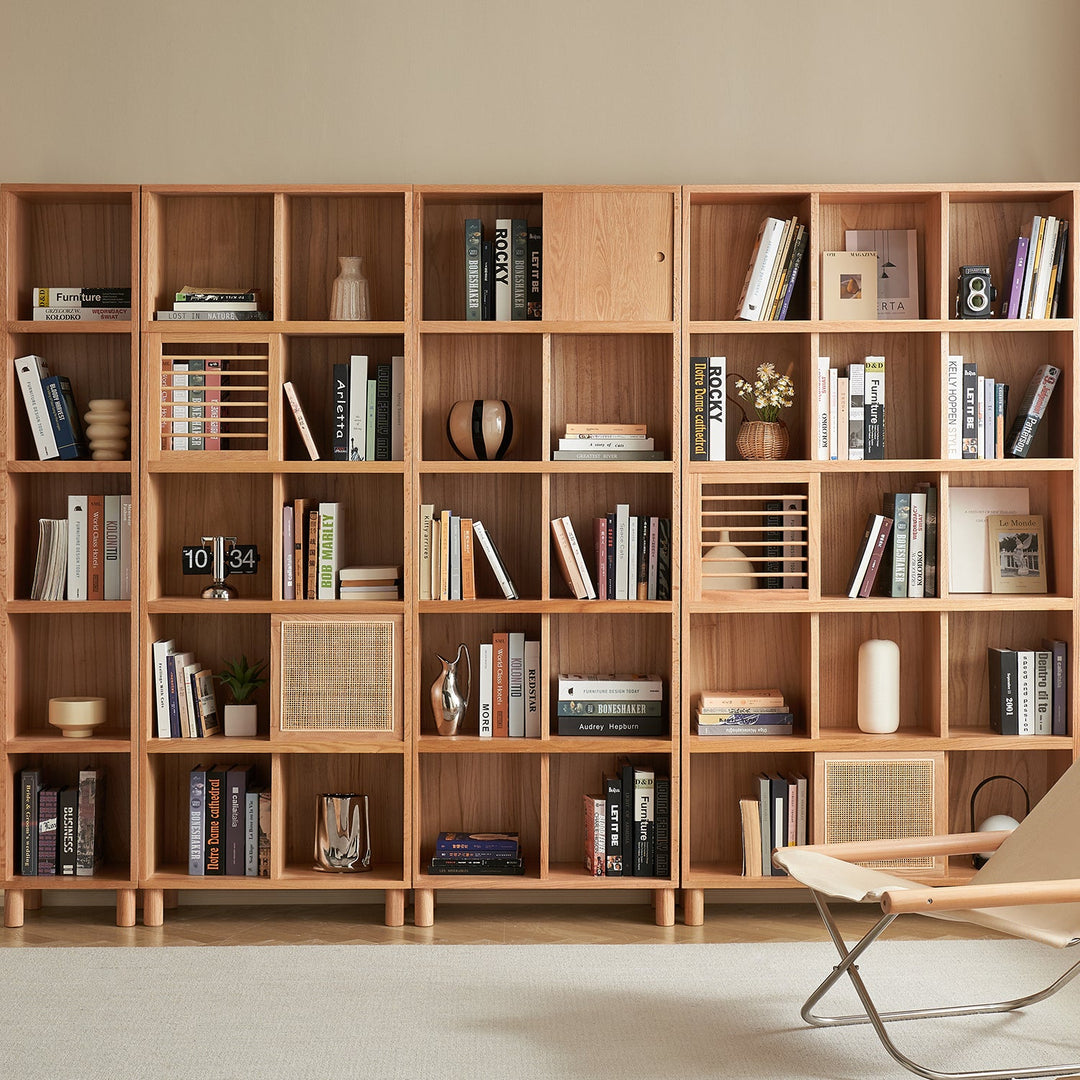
(33, 899)
(14, 906)
(423, 907)
(664, 902)
(395, 907)
(125, 907)
(171, 898)
(153, 907)
(693, 906)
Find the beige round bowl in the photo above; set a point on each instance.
(76, 717)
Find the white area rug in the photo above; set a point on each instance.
(526, 1012)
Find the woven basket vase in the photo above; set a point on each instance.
(759, 440)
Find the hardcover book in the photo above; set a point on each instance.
(1017, 553)
(897, 271)
(969, 507)
(848, 286)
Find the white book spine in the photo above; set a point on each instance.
(516, 685)
(856, 431)
(125, 547)
(369, 430)
(358, 380)
(77, 548)
(631, 556)
(435, 586)
(1029, 266)
(298, 416)
(843, 409)
(507, 586)
(834, 391)
(484, 696)
(532, 689)
(622, 548)
(989, 427)
(180, 440)
(1043, 696)
(329, 530)
(30, 370)
(427, 512)
(575, 547)
(980, 416)
(1046, 261)
(573, 687)
(1025, 692)
(716, 404)
(161, 652)
(454, 577)
(821, 425)
(917, 545)
(754, 302)
(954, 392)
(503, 289)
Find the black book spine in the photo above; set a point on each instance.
(610, 556)
(47, 811)
(214, 812)
(341, 412)
(613, 842)
(382, 412)
(629, 847)
(774, 536)
(643, 558)
(29, 792)
(663, 560)
(535, 294)
(474, 242)
(67, 828)
(1002, 667)
(662, 814)
(699, 424)
(487, 279)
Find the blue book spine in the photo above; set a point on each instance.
(63, 417)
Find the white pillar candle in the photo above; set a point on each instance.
(879, 686)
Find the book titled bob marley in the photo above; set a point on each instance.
(1017, 553)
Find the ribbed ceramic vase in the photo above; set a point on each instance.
(350, 297)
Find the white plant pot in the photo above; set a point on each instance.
(242, 720)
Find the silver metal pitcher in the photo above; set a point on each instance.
(342, 833)
(448, 701)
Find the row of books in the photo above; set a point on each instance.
(1035, 266)
(191, 402)
(81, 304)
(60, 828)
(504, 275)
(477, 853)
(708, 408)
(87, 555)
(849, 419)
(898, 554)
(228, 822)
(1029, 689)
(185, 705)
(778, 817)
(611, 705)
(508, 687)
(198, 304)
(773, 271)
(50, 408)
(743, 712)
(369, 413)
(976, 408)
(448, 543)
(607, 442)
(628, 824)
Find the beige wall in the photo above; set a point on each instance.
(621, 91)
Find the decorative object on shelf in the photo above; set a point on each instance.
(218, 589)
(448, 701)
(724, 567)
(108, 428)
(765, 438)
(76, 717)
(879, 686)
(481, 430)
(975, 295)
(996, 822)
(242, 679)
(342, 833)
(350, 296)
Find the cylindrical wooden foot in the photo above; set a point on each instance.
(153, 907)
(33, 899)
(664, 902)
(125, 907)
(423, 907)
(693, 902)
(171, 898)
(14, 905)
(395, 907)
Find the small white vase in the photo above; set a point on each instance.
(242, 720)
(725, 567)
(879, 686)
(350, 298)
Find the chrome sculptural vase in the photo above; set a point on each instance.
(448, 700)
(342, 833)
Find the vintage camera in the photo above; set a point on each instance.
(975, 295)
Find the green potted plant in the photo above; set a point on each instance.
(242, 679)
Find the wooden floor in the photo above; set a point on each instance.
(456, 923)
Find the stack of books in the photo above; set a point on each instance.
(611, 705)
(571, 561)
(88, 554)
(633, 556)
(310, 545)
(477, 853)
(777, 818)
(503, 275)
(81, 304)
(369, 413)
(1036, 269)
(228, 822)
(975, 410)
(60, 829)
(185, 705)
(369, 583)
(743, 712)
(508, 687)
(898, 553)
(628, 827)
(1029, 689)
(447, 556)
(849, 419)
(606, 442)
(50, 408)
(773, 270)
(199, 304)
(191, 403)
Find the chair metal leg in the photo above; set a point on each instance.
(872, 1016)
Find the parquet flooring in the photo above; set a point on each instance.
(456, 923)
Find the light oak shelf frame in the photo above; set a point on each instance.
(804, 640)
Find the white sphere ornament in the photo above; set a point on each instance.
(879, 686)
(996, 823)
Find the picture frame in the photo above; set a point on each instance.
(1017, 551)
